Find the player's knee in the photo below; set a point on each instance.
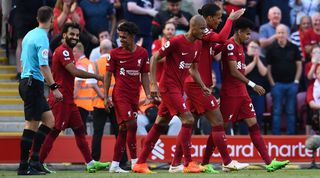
(132, 125)
(79, 131)
(187, 118)
(32, 125)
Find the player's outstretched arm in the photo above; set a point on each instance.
(71, 68)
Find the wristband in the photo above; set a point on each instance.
(251, 84)
(53, 86)
(296, 81)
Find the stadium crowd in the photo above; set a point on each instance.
(281, 62)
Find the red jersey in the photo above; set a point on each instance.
(155, 48)
(63, 56)
(126, 67)
(210, 47)
(180, 53)
(231, 86)
(311, 38)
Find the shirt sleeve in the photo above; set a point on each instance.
(43, 51)
(66, 57)
(167, 48)
(146, 64)
(111, 65)
(297, 53)
(263, 33)
(219, 37)
(229, 48)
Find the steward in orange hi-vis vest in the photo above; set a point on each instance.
(100, 68)
(83, 94)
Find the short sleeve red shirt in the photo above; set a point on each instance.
(180, 53)
(231, 86)
(63, 56)
(126, 67)
(157, 44)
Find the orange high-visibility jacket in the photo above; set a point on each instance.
(85, 95)
(100, 68)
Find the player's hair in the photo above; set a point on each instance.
(128, 27)
(44, 14)
(68, 25)
(209, 10)
(242, 24)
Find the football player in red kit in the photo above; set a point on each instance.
(128, 63)
(182, 55)
(236, 103)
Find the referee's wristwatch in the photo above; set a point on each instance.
(53, 86)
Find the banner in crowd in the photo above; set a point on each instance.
(240, 148)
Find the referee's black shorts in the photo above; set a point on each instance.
(33, 97)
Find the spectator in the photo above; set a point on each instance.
(6, 6)
(255, 71)
(99, 15)
(300, 8)
(141, 13)
(312, 36)
(251, 10)
(284, 72)
(100, 115)
(24, 21)
(297, 37)
(267, 31)
(310, 74)
(173, 14)
(66, 11)
(313, 98)
(96, 52)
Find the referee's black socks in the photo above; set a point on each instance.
(25, 146)
(38, 141)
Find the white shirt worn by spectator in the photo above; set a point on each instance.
(95, 54)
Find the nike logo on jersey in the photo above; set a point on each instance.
(183, 54)
(230, 116)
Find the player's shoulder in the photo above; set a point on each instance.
(229, 45)
(141, 50)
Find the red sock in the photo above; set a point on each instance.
(131, 140)
(47, 144)
(208, 151)
(219, 140)
(258, 142)
(177, 156)
(120, 146)
(184, 139)
(149, 142)
(80, 134)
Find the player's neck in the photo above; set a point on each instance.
(237, 40)
(130, 48)
(189, 37)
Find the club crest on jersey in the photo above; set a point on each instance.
(139, 62)
(66, 55)
(166, 45)
(230, 47)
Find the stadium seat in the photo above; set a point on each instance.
(301, 112)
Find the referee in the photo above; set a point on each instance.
(35, 68)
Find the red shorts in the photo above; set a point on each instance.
(66, 115)
(236, 108)
(172, 104)
(125, 110)
(197, 101)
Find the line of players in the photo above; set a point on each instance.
(187, 69)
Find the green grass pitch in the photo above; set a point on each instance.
(303, 173)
